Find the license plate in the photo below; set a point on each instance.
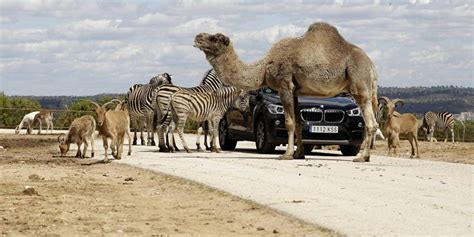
(324, 129)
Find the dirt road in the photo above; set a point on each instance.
(388, 196)
(89, 198)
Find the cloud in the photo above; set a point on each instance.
(195, 26)
(106, 46)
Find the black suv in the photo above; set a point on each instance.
(331, 121)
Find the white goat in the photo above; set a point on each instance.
(113, 124)
(45, 116)
(81, 130)
(26, 122)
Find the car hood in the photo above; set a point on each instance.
(305, 101)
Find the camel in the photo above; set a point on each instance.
(320, 63)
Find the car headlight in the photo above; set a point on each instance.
(275, 109)
(354, 112)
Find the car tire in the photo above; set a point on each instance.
(261, 138)
(349, 150)
(226, 143)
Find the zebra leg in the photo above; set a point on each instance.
(214, 134)
(172, 129)
(206, 133)
(161, 139)
(167, 134)
(180, 125)
(134, 125)
(452, 134)
(142, 125)
(198, 139)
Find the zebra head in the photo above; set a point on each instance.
(161, 79)
(242, 101)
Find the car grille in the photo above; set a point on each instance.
(316, 115)
(333, 116)
(312, 114)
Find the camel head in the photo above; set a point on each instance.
(212, 45)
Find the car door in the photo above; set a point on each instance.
(240, 121)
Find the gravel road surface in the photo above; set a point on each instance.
(388, 196)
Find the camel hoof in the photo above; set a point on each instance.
(361, 159)
(164, 149)
(299, 156)
(285, 157)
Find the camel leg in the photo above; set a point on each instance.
(365, 104)
(287, 101)
(298, 130)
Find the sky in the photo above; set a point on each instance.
(84, 47)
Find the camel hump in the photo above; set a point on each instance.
(322, 26)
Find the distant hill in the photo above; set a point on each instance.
(439, 98)
(60, 102)
(417, 99)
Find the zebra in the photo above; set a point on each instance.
(210, 82)
(140, 105)
(204, 106)
(438, 120)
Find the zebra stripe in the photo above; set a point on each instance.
(140, 101)
(204, 106)
(439, 121)
(210, 82)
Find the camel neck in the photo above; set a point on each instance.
(233, 71)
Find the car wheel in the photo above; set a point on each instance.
(349, 150)
(261, 138)
(225, 142)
